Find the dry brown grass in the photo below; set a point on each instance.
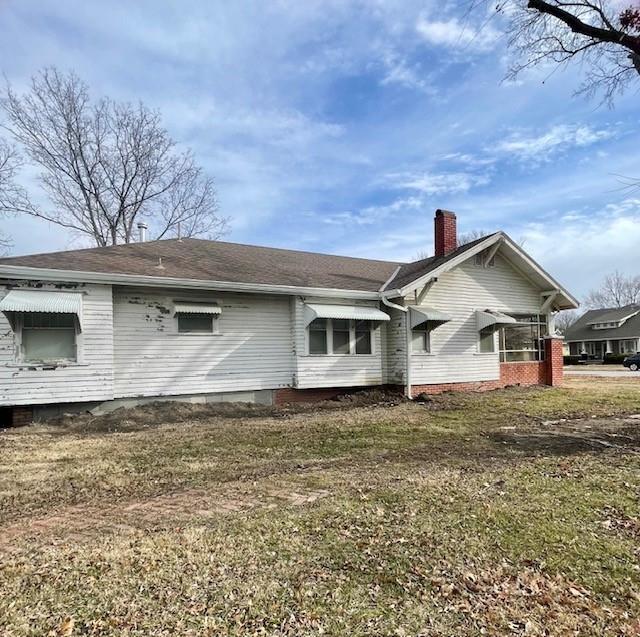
(471, 514)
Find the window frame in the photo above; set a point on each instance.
(215, 326)
(352, 338)
(494, 350)
(542, 321)
(19, 350)
(424, 329)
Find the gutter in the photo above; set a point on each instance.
(407, 332)
(46, 274)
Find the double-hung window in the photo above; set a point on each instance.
(421, 339)
(318, 336)
(340, 336)
(47, 337)
(487, 341)
(363, 337)
(47, 325)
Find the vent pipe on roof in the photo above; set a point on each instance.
(142, 229)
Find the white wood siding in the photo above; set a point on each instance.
(90, 380)
(454, 345)
(253, 349)
(335, 370)
(396, 358)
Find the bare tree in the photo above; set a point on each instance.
(564, 320)
(106, 165)
(616, 290)
(10, 194)
(472, 235)
(597, 34)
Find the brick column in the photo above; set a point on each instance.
(553, 360)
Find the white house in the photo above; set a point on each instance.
(208, 320)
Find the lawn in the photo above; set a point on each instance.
(514, 512)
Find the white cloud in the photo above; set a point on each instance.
(439, 183)
(559, 138)
(468, 159)
(397, 70)
(454, 34)
(608, 236)
(370, 215)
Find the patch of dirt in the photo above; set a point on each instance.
(161, 412)
(85, 522)
(565, 437)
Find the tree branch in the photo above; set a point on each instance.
(576, 25)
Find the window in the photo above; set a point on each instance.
(522, 341)
(421, 339)
(363, 337)
(48, 337)
(195, 323)
(487, 340)
(628, 346)
(318, 336)
(340, 336)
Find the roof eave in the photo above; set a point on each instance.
(564, 300)
(72, 276)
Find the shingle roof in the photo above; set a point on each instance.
(614, 314)
(204, 260)
(201, 259)
(411, 271)
(582, 329)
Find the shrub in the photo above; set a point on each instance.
(571, 360)
(614, 359)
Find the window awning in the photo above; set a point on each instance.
(421, 314)
(488, 318)
(43, 301)
(358, 312)
(196, 308)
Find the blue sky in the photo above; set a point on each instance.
(340, 126)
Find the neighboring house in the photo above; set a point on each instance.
(605, 331)
(208, 320)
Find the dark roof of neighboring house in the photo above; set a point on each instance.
(614, 314)
(205, 260)
(411, 271)
(582, 329)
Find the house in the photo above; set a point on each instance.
(208, 320)
(605, 331)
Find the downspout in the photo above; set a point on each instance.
(407, 332)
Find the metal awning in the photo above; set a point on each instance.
(42, 301)
(196, 308)
(358, 312)
(488, 318)
(421, 314)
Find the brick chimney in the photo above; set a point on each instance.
(445, 232)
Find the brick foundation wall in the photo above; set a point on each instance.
(291, 395)
(21, 416)
(534, 373)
